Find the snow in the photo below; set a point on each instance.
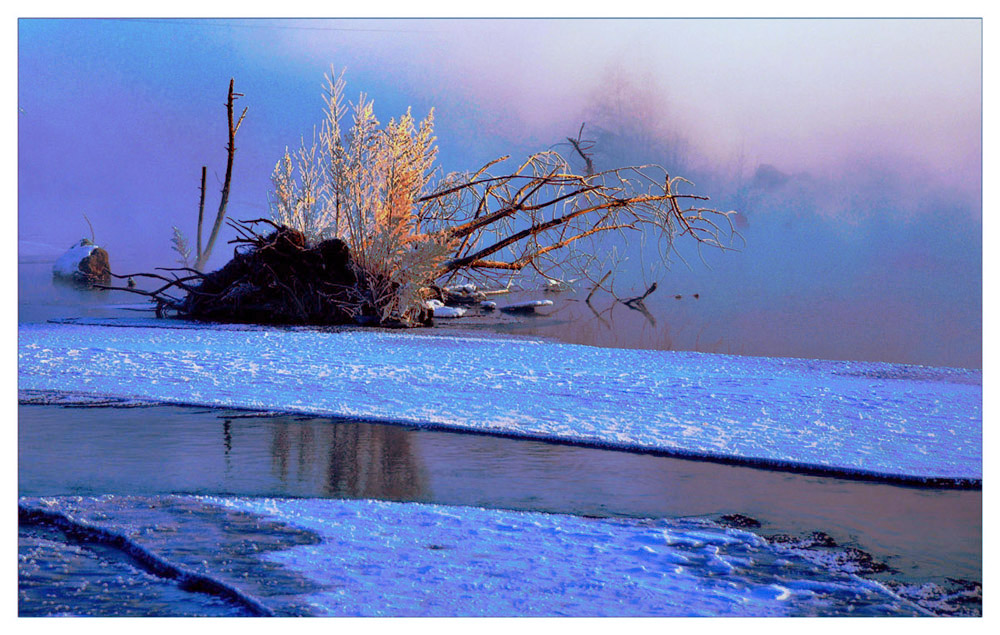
(449, 312)
(148, 560)
(68, 264)
(442, 311)
(884, 420)
(525, 307)
(374, 558)
(391, 559)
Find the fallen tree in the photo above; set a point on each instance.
(363, 229)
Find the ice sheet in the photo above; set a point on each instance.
(881, 419)
(373, 558)
(390, 559)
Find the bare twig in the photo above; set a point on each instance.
(92, 239)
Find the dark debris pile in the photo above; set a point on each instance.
(277, 279)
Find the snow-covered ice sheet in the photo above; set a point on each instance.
(879, 419)
(391, 559)
(373, 558)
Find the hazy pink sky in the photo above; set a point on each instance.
(795, 92)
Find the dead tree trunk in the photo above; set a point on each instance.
(201, 211)
(203, 256)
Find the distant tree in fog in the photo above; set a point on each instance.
(630, 122)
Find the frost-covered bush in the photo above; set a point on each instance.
(363, 186)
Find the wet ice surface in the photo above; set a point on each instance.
(363, 557)
(57, 578)
(219, 544)
(871, 418)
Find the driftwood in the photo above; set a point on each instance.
(203, 250)
(637, 304)
(633, 302)
(273, 278)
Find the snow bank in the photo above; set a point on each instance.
(890, 421)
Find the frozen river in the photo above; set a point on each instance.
(278, 510)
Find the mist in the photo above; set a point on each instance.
(850, 148)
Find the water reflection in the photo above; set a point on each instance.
(346, 459)
(164, 450)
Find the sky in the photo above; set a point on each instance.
(851, 148)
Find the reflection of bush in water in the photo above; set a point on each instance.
(360, 460)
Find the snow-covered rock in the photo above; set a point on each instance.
(84, 263)
(439, 310)
(448, 312)
(525, 307)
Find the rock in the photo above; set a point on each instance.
(525, 307)
(861, 562)
(439, 310)
(558, 286)
(463, 294)
(739, 521)
(821, 539)
(83, 264)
